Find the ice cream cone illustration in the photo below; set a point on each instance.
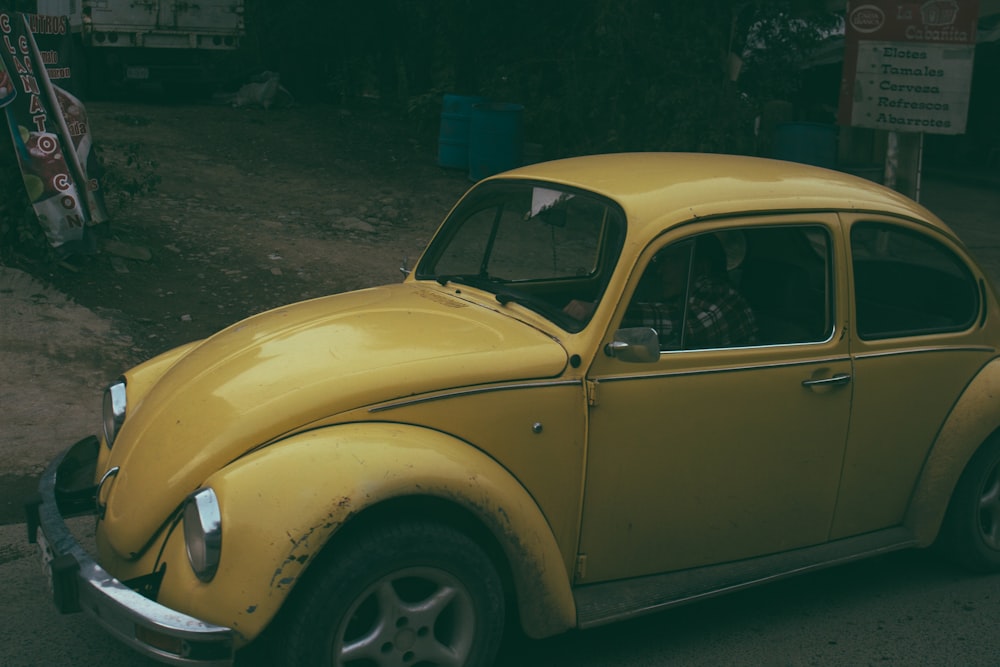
(7, 90)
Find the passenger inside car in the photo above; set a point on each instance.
(686, 296)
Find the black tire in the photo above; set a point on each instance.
(407, 594)
(971, 530)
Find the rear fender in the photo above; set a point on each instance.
(975, 417)
(281, 505)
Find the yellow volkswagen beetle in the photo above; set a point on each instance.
(610, 385)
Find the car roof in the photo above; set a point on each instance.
(665, 189)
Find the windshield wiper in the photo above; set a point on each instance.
(502, 292)
(539, 305)
(536, 304)
(473, 280)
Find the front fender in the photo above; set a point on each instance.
(974, 418)
(281, 505)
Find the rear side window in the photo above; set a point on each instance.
(908, 284)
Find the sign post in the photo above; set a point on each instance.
(908, 71)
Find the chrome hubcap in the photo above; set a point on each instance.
(416, 616)
(989, 509)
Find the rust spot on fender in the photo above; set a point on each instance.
(302, 547)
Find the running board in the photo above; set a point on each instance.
(597, 604)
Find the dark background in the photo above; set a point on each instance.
(593, 75)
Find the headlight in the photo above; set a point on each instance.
(203, 533)
(114, 411)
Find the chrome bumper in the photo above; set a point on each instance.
(80, 584)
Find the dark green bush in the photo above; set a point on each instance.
(20, 232)
(593, 75)
(128, 173)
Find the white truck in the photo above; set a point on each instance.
(168, 41)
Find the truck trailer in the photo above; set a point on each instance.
(168, 41)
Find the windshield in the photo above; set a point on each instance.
(539, 245)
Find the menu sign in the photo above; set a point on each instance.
(908, 65)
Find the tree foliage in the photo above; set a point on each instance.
(18, 228)
(594, 75)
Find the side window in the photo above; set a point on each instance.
(908, 284)
(736, 288)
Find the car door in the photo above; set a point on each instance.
(917, 341)
(711, 455)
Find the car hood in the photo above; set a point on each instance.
(273, 373)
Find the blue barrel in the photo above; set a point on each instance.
(808, 143)
(496, 138)
(453, 139)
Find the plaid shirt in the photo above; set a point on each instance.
(717, 316)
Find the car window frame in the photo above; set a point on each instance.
(934, 236)
(822, 220)
(608, 251)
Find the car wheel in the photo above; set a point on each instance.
(971, 532)
(410, 594)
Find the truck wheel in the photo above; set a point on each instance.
(409, 594)
(971, 530)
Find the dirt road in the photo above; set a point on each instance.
(256, 209)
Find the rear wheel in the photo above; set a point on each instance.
(971, 532)
(413, 594)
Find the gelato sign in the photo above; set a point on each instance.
(50, 130)
(908, 65)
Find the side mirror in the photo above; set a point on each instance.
(639, 345)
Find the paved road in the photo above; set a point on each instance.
(903, 609)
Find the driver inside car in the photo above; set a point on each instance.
(691, 274)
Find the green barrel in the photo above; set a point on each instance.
(496, 138)
(453, 138)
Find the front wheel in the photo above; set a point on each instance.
(971, 532)
(411, 594)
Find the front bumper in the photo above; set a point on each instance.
(80, 584)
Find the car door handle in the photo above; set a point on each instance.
(836, 380)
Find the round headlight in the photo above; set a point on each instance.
(114, 411)
(203, 533)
